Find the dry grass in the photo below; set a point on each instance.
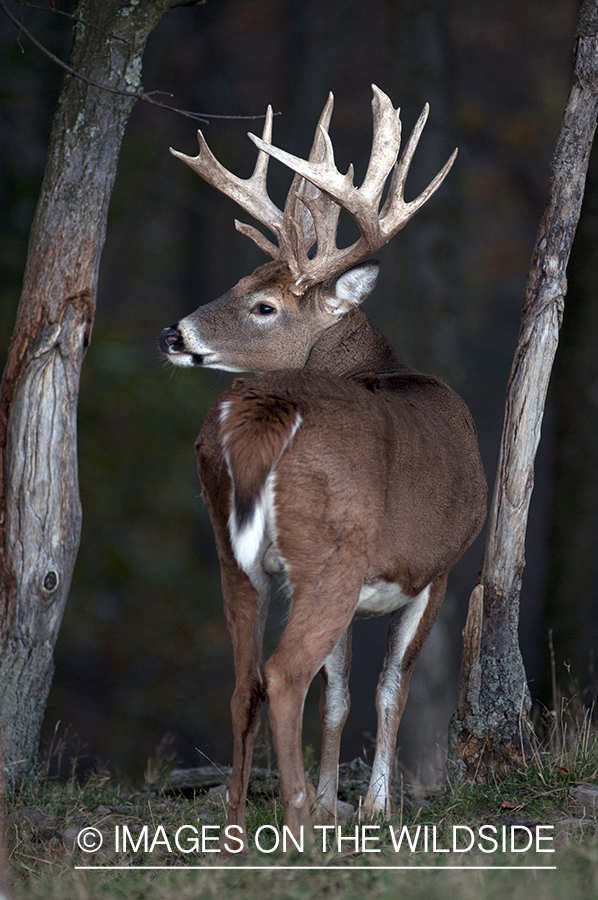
(45, 817)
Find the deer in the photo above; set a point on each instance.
(335, 470)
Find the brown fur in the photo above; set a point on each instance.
(433, 445)
(375, 496)
(381, 483)
(253, 435)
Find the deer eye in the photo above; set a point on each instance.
(263, 309)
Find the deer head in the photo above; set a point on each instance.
(271, 319)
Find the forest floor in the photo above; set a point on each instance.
(531, 832)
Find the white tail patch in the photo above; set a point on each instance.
(248, 539)
(259, 530)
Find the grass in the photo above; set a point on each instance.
(45, 817)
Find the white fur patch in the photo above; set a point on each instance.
(335, 308)
(250, 540)
(357, 283)
(388, 688)
(337, 692)
(380, 598)
(401, 638)
(247, 540)
(352, 287)
(180, 359)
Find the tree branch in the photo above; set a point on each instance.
(134, 95)
(72, 17)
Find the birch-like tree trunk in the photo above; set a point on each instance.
(40, 515)
(491, 723)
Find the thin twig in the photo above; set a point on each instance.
(552, 672)
(134, 95)
(480, 757)
(212, 763)
(521, 716)
(73, 18)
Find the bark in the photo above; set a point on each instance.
(4, 892)
(492, 725)
(40, 515)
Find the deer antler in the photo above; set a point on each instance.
(376, 226)
(319, 192)
(250, 193)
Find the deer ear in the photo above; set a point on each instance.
(352, 287)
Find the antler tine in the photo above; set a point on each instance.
(400, 174)
(295, 210)
(260, 173)
(319, 192)
(325, 214)
(317, 149)
(396, 212)
(323, 174)
(250, 193)
(386, 142)
(299, 185)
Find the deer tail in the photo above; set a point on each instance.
(256, 427)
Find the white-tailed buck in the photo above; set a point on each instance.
(339, 469)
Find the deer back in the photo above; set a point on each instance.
(389, 461)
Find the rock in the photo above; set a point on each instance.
(34, 819)
(219, 791)
(103, 811)
(344, 811)
(586, 795)
(69, 836)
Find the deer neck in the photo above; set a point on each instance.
(352, 346)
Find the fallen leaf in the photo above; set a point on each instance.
(508, 804)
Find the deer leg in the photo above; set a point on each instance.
(409, 627)
(313, 631)
(245, 610)
(334, 708)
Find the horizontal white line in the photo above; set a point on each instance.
(233, 868)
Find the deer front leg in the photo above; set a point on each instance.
(245, 610)
(334, 709)
(409, 627)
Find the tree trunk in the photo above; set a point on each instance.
(491, 725)
(40, 515)
(571, 600)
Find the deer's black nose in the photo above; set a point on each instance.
(169, 339)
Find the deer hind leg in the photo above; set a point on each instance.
(334, 709)
(246, 609)
(313, 631)
(409, 627)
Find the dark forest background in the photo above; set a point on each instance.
(143, 658)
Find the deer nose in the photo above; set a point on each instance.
(169, 338)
